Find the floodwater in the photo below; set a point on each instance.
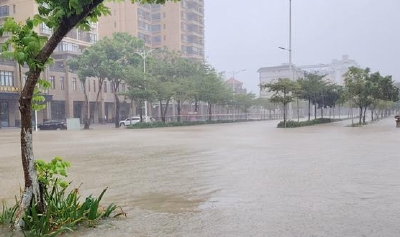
(244, 179)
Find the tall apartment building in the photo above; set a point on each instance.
(65, 98)
(176, 26)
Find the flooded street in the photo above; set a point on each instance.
(244, 179)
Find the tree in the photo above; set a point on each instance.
(283, 90)
(33, 50)
(366, 90)
(244, 101)
(358, 88)
(212, 89)
(311, 87)
(169, 72)
(92, 63)
(140, 88)
(119, 59)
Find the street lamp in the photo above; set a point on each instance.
(290, 46)
(144, 54)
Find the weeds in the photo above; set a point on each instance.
(64, 210)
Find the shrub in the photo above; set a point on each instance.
(294, 124)
(179, 124)
(64, 210)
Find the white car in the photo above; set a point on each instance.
(134, 120)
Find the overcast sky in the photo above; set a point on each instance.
(246, 34)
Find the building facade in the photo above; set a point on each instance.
(176, 26)
(271, 74)
(334, 71)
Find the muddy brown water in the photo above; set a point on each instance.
(245, 179)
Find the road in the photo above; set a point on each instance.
(244, 179)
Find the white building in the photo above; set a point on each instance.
(334, 72)
(271, 74)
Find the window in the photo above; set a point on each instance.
(105, 86)
(123, 87)
(112, 87)
(62, 86)
(94, 85)
(156, 39)
(4, 11)
(74, 83)
(156, 28)
(68, 47)
(45, 29)
(88, 85)
(6, 78)
(82, 86)
(52, 82)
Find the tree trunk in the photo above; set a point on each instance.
(165, 110)
(309, 110)
(196, 106)
(322, 112)
(209, 112)
(298, 110)
(179, 108)
(32, 193)
(97, 99)
(365, 110)
(86, 121)
(284, 114)
(361, 113)
(161, 112)
(117, 106)
(315, 111)
(372, 115)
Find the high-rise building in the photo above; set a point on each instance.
(176, 26)
(65, 98)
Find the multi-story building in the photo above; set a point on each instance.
(65, 97)
(271, 74)
(176, 26)
(333, 71)
(237, 86)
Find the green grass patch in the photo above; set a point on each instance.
(295, 124)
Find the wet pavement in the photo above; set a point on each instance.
(244, 179)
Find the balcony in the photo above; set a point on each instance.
(9, 89)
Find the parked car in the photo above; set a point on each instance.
(134, 120)
(53, 125)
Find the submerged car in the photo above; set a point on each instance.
(53, 125)
(134, 120)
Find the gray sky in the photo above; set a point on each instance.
(246, 34)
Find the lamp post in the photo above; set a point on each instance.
(144, 54)
(291, 74)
